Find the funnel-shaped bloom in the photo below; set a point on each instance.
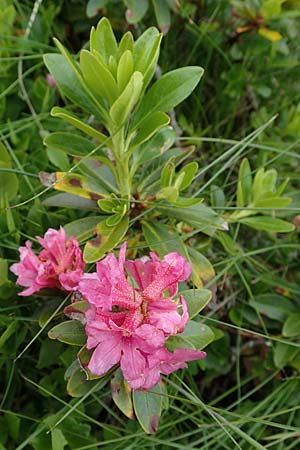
(59, 265)
(128, 323)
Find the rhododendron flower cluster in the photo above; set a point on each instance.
(59, 265)
(129, 324)
(131, 307)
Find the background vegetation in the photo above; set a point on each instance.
(247, 105)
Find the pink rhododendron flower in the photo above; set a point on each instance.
(129, 324)
(58, 265)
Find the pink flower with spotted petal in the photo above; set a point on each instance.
(154, 277)
(128, 324)
(121, 338)
(108, 286)
(28, 270)
(59, 265)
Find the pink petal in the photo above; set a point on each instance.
(164, 315)
(27, 270)
(143, 272)
(133, 363)
(172, 269)
(109, 286)
(109, 269)
(54, 243)
(132, 320)
(69, 281)
(54, 260)
(188, 354)
(168, 362)
(177, 359)
(152, 378)
(96, 291)
(149, 338)
(97, 328)
(185, 315)
(125, 296)
(64, 258)
(106, 355)
(122, 256)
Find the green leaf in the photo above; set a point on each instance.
(156, 146)
(257, 187)
(168, 173)
(49, 354)
(107, 205)
(58, 439)
(100, 171)
(203, 271)
(136, 10)
(217, 196)
(162, 240)
(187, 174)
(9, 185)
(269, 180)
(84, 355)
(125, 103)
(3, 271)
(121, 394)
(244, 184)
(125, 70)
(163, 15)
(97, 77)
(295, 362)
(126, 43)
(271, 8)
(147, 408)
(195, 336)
(170, 90)
(102, 39)
(45, 312)
(184, 202)
(112, 221)
(71, 201)
(93, 7)
(76, 310)
(270, 224)
(281, 188)
(229, 244)
(58, 158)
(82, 229)
(284, 354)
(273, 306)
(4, 155)
(73, 120)
(291, 327)
(9, 331)
(146, 53)
(273, 202)
(169, 193)
(149, 126)
(84, 186)
(70, 332)
(13, 424)
(107, 238)
(199, 216)
(196, 300)
(70, 83)
(78, 385)
(240, 202)
(70, 143)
